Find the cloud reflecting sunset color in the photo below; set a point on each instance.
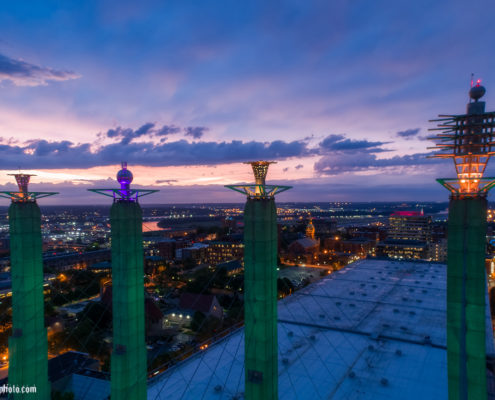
(338, 93)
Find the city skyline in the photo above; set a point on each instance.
(339, 95)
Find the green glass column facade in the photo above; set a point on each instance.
(28, 347)
(128, 362)
(466, 291)
(260, 291)
(469, 141)
(260, 285)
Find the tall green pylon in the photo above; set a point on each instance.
(260, 286)
(28, 345)
(468, 140)
(128, 368)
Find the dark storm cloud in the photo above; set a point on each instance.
(408, 133)
(65, 154)
(341, 143)
(196, 132)
(22, 73)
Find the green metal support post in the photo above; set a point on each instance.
(129, 357)
(28, 345)
(128, 363)
(260, 286)
(468, 139)
(466, 291)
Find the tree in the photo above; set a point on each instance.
(284, 286)
(98, 313)
(197, 321)
(56, 395)
(189, 263)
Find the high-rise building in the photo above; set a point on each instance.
(408, 236)
(409, 225)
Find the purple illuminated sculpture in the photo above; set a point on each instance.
(125, 193)
(124, 177)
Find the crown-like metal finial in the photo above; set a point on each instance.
(23, 195)
(259, 189)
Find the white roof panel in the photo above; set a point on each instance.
(374, 330)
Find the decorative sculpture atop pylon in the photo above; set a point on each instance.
(125, 193)
(259, 189)
(23, 195)
(468, 139)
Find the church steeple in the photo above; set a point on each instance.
(310, 229)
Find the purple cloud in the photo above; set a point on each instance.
(127, 135)
(196, 132)
(359, 161)
(408, 133)
(65, 154)
(166, 130)
(341, 143)
(22, 73)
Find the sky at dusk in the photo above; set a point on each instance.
(339, 93)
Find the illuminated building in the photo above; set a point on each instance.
(206, 303)
(128, 362)
(197, 252)
(260, 286)
(438, 251)
(163, 247)
(467, 139)
(306, 249)
(324, 226)
(219, 252)
(232, 267)
(408, 236)
(28, 346)
(409, 225)
(303, 251)
(361, 246)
